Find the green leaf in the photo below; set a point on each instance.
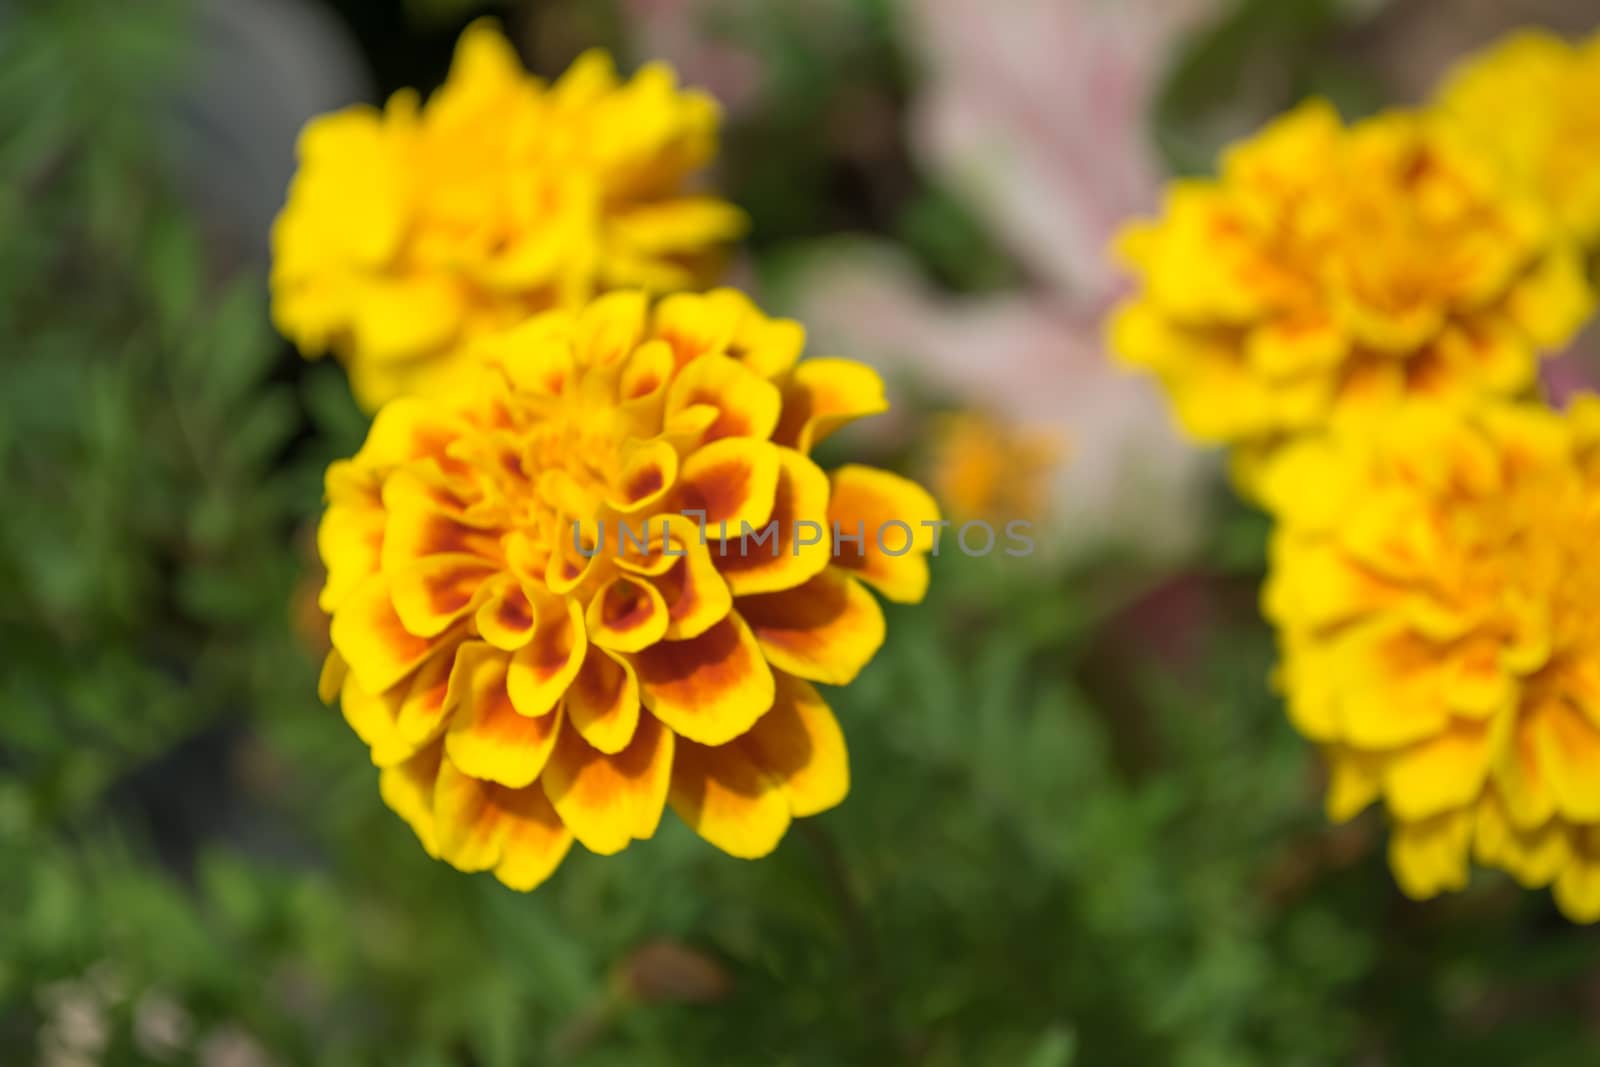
(1057, 1048)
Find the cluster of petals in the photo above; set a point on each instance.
(413, 230)
(1332, 271)
(1434, 581)
(545, 621)
(1535, 99)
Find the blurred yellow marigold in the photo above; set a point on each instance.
(1334, 271)
(536, 641)
(991, 471)
(1535, 98)
(1434, 582)
(411, 231)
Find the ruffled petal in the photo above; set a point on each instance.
(896, 521)
(1533, 857)
(799, 743)
(648, 473)
(696, 595)
(1568, 750)
(408, 790)
(373, 717)
(610, 327)
(825, 630)
(470, 832)
(506, 618)
(431, 594)
(710, 688)
(349, 542)
(425, 709)
(825, 394)
(536, 840)
(1429, 856)
(626, 615)
(1577, 889)
(609, 800)
(796, 543)
(603, 701)
(488, 737)
(1445, 771)
(542, 670)
(747, 405)
(728, 799)
(694, 325)
(331, 680)
(729, 484)
(1355, 780)
(482, 826)
(368, 634)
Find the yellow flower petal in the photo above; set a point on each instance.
(825, 630)
(374, 717)
(893, 518)
(795, 546)
(1430, 856)
(481, 826)
(1443, 772)
(506, 618)
(541, 672)
(368, 634)
(730, 484)
(1577, 890)
(424, 709)
(536, 840)
(408, 789)
(626, 615)
(747, 404)
(1568, 750)
(696, 595)
(648, 474)
(695, 326)
(603, 702)
(710, 688)
(609, 800)
(1533, 857)
(799, 743)
(334, 673)
(823, 395)
(728, 799)
(433, 593)
(1355, 780)
(489, 739)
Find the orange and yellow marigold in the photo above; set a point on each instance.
(1331, 271)
(1434, 582)
(985, 469)
(411, 231)
(1535, 99)
(540, 644)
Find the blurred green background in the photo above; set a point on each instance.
(1081, 830)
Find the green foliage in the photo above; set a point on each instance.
(1080, 830)
(941, 230)
(824, 151)
(1258, 59)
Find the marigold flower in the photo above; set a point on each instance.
(1434, 581)
(1332, 271)
(987, 470)
(539, 645)
(410, 232)
(1535, 98)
